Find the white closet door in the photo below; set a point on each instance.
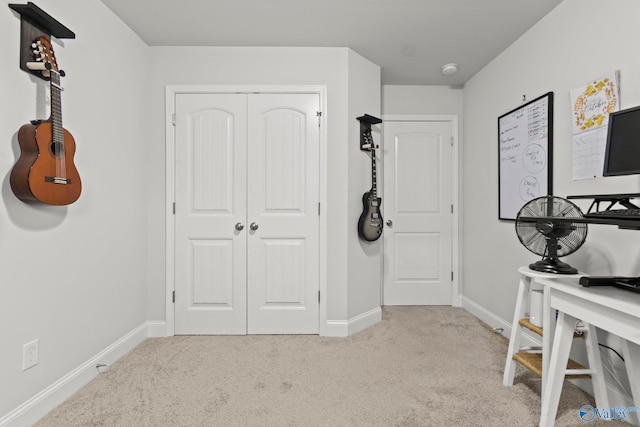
(210, 185)
(283, 196)
(244, 160)
(417, 200)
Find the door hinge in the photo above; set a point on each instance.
(451, 208)
(174, 297)
(452, 276)
(318, 208)
(319, 116)
(452, 141)
(173, 119)
(318, 297)
(174, 208)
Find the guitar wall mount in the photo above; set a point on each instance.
(35, 22)
(365, 127)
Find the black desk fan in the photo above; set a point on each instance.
(551, 227)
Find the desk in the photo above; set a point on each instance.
(614, 310)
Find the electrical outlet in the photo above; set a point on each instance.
(30, 354)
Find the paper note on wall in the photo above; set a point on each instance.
(588, 153)
(592, 103)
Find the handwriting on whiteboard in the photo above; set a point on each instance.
(523, 154)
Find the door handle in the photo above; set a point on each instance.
(389, 223)
(239, 226)
(253, 226)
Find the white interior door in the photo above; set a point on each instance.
(210, 199)
(417, 212)
(246, 219)
(283, 196)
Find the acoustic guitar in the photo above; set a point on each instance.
(45, 171)
(370, 222)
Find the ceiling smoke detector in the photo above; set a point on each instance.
(448, 69)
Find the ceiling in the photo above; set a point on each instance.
(409, 39)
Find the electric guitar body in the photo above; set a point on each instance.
(35, 176)
(370, 222)
(45, 171)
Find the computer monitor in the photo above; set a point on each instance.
(622, 152)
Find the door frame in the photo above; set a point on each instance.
(456, 300)
(170, 94)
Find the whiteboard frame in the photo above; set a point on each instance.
(547, 171)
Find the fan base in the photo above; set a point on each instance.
(553, 266)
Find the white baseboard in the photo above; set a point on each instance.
(344, 328)
(497, 322)
(156, 328)
(46, 400)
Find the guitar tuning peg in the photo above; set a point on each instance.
(62, 73)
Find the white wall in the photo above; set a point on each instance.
(558, 54)
(74, 277)
(577, 42)
(330, 67)
(422, 100)
(365, 258)
(82, 277)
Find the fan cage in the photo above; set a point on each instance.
(552, 234)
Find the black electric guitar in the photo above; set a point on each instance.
(370, 222)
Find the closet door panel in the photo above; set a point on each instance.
(211, 188)
(283, 194)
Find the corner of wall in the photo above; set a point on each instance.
(342, 328)
(364, 276)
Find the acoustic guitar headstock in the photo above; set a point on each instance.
(44, 54)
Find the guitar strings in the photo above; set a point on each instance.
(57, 129)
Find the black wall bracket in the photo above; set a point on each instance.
(35, 22)
(365, 129)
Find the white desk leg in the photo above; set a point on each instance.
(595, 365)
(557, 366)
(514, 340)
(548, 328)
(631, 354)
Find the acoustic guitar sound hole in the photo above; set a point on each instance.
(56, 149)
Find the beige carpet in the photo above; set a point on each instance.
(421, 366)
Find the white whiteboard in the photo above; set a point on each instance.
(525, 153)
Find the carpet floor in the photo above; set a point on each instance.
(420, 366)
